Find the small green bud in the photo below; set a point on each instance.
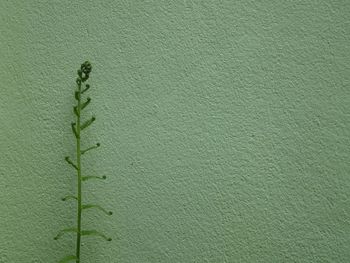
(85, 78)
(86, 67)
(87, 87)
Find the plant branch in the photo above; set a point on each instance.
(85, 178)
(91, 148)
(70, 162)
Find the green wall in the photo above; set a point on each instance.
(224, 125)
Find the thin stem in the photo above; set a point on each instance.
(79, 177)
(91, 148)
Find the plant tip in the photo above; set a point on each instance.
(86, 67)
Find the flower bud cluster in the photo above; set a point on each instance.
(84, 72)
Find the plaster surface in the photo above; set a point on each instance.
(224, 128)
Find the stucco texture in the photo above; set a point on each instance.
(224, 125)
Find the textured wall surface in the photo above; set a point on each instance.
(225, 128)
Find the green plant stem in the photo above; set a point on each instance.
(79, 178)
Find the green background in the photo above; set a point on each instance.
(224, 128)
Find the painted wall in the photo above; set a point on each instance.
(224, 125)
